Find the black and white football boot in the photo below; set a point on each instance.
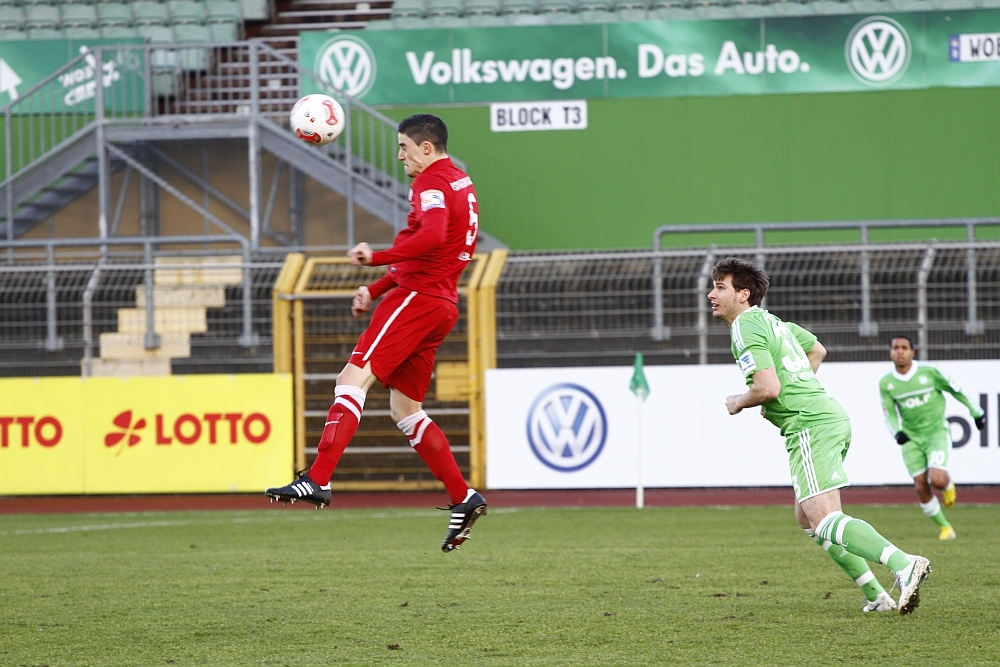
(303, 488)
(463, 515)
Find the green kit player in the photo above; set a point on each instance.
(913, 402)
(779, 361)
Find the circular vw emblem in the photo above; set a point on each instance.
(566, 427)
(878, 51)
(347, 64)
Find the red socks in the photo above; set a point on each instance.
(430, 443)
(341, 424)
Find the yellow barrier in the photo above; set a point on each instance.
(195, 433)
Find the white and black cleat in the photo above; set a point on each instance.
(303, 488)
(463, 516)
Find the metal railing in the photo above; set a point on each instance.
(867, 328)
(52, 313)
(113, 96)
(581, 309)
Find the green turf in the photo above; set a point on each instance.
(720, 586)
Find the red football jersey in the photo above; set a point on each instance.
(431, 252)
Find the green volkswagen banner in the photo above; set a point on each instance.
(24, 64)
(660, 59)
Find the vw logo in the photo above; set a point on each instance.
(878, 51)
(346, 63)
(566, 427)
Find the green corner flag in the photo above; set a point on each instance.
(638, 385)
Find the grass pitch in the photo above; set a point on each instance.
(739, 586)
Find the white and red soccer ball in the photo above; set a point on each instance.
(318, 119)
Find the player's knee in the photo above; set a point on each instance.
(938, 478)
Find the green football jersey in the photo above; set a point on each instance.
(914, 402)
(760, 340)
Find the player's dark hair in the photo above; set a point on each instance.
(906, 338)
(745, 275)
(426, 127)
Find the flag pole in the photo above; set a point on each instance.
(640, 388)
(639, 490)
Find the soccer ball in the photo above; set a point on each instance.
(318, 119)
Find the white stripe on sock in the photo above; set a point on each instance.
(931, 508)
(840, 529)
(864, 578)
(887, 554)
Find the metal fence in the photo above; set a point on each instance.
(55, 315)
(600, 308)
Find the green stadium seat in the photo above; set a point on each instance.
(73, 2)
(46, 33)
(223, 11)
(628, 5)
(41, 16)
(12, 35)
(11, 18)
(408, 9)
(519, 7)
(256, 10)
(28, 3)
(155, 34)
(186, 11)
(482, 7)
(79, 16)
(225, 32)
(150, 13)
(556, 6)
(82, 32)
(193, 59)
(10, 3)
(594, 5)
(440, 8)
(118, 32)
(113, 14)
(413, 23)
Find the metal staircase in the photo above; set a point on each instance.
(57, 148)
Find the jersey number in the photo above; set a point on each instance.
(795, 361)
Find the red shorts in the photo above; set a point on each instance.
(401, 340)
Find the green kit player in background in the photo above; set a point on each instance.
(779, 361)
(913, 403)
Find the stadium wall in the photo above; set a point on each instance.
(766, 158)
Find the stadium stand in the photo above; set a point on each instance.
(414, 14)
(213, 20)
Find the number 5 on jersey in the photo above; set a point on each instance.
(473, 232)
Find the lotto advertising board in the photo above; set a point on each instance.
(660, 58)
(551, 428)
(194, 433)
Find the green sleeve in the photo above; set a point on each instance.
(944, 383)
(806, 338)
(892, 419)
(752, 353)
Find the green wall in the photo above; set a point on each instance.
(643, 163)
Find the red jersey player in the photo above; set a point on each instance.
(419, 309)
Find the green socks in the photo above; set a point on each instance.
(853, 566)
(934, 511)
(861, 539)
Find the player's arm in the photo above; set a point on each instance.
(893, 420)
(758, 370)
(945, 383)
(366, 294)
(765, 386)
(431, 231)
(814, 350)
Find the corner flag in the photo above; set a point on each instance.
(638, 385)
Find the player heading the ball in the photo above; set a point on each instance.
(779, 361)
(419, 308)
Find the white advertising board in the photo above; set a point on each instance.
(550, 428)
